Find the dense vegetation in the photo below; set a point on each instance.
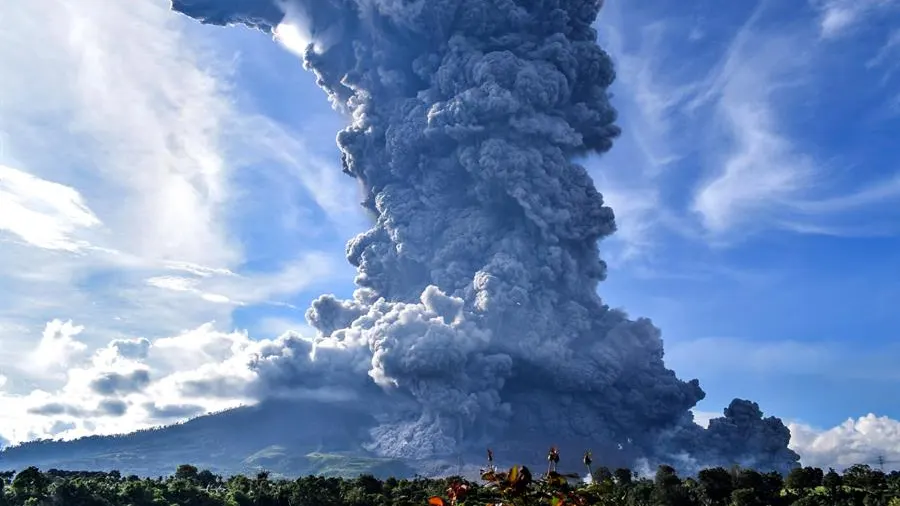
(859, 485)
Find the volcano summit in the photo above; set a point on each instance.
(476, 319)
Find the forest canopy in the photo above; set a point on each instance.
(859, 485)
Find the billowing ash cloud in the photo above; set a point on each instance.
(476, 308)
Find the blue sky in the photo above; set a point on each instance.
(170, 195)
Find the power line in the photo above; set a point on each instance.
(881, 461)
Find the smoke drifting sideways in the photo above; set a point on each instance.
(476, 318)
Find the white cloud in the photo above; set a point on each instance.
(887, 55)
(133, 384)
(143, 116)
(110, 379)
(757, 172)
(337, 195)
(58, 346)
(173, 283)
(761, 175)
(648, 96)
(115, 104)
(123, 138)
(255, 288)
(723, 124)
(882, 191)
(722, 111)
(838, 17)
(40, 212)
(860, 441)
(702, 418)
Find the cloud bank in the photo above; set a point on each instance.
(132, 384)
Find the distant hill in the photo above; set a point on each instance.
(288, 438)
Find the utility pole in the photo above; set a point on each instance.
(881, 462)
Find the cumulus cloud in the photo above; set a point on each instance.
(204, 370)
(134, 384)
(111, 383)
(58, 346)
(856, 441)
(134, 349)
(57, 408)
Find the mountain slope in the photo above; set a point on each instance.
(288, 438)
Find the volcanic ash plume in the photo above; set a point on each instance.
(476, 316)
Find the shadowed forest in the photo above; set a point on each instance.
(859, 485)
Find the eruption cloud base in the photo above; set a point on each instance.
(476, 318)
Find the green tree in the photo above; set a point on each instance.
(186, 472)
(863, 477)
(668, 488)
(641, 493)
(834, 484)
(30, 483)
(207, 479)
(623, 476)
(715, 485)
(745, 497)
(803, 480)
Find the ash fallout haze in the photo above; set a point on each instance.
(509, 156)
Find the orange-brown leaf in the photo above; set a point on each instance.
(436, 501)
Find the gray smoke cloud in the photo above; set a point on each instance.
(477, 308)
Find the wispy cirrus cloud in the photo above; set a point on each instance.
(254, 288)
(126, 153)
(839, 17)
(723, 128)
(42, 213)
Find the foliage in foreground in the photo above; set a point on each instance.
(859, 485)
